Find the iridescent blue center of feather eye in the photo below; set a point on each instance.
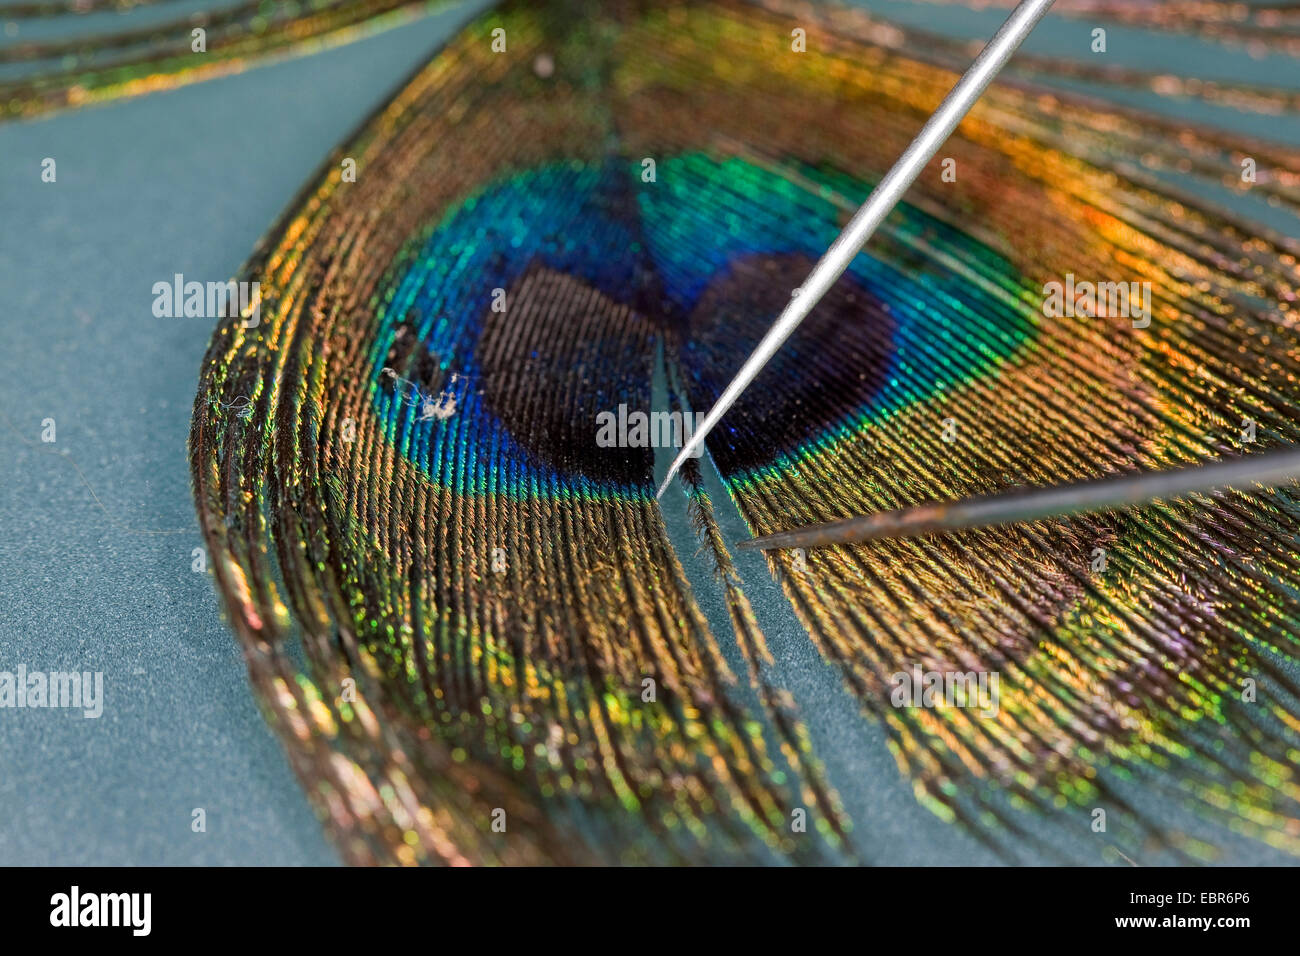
(710, 249)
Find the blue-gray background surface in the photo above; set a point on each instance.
(187, 181)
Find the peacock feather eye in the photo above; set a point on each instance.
(470, 620)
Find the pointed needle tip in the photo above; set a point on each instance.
(674, 468)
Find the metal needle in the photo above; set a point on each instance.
(864, 222)
(1268, 468)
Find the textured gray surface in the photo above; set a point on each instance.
(187, 181)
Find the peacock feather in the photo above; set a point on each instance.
(471, 622)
